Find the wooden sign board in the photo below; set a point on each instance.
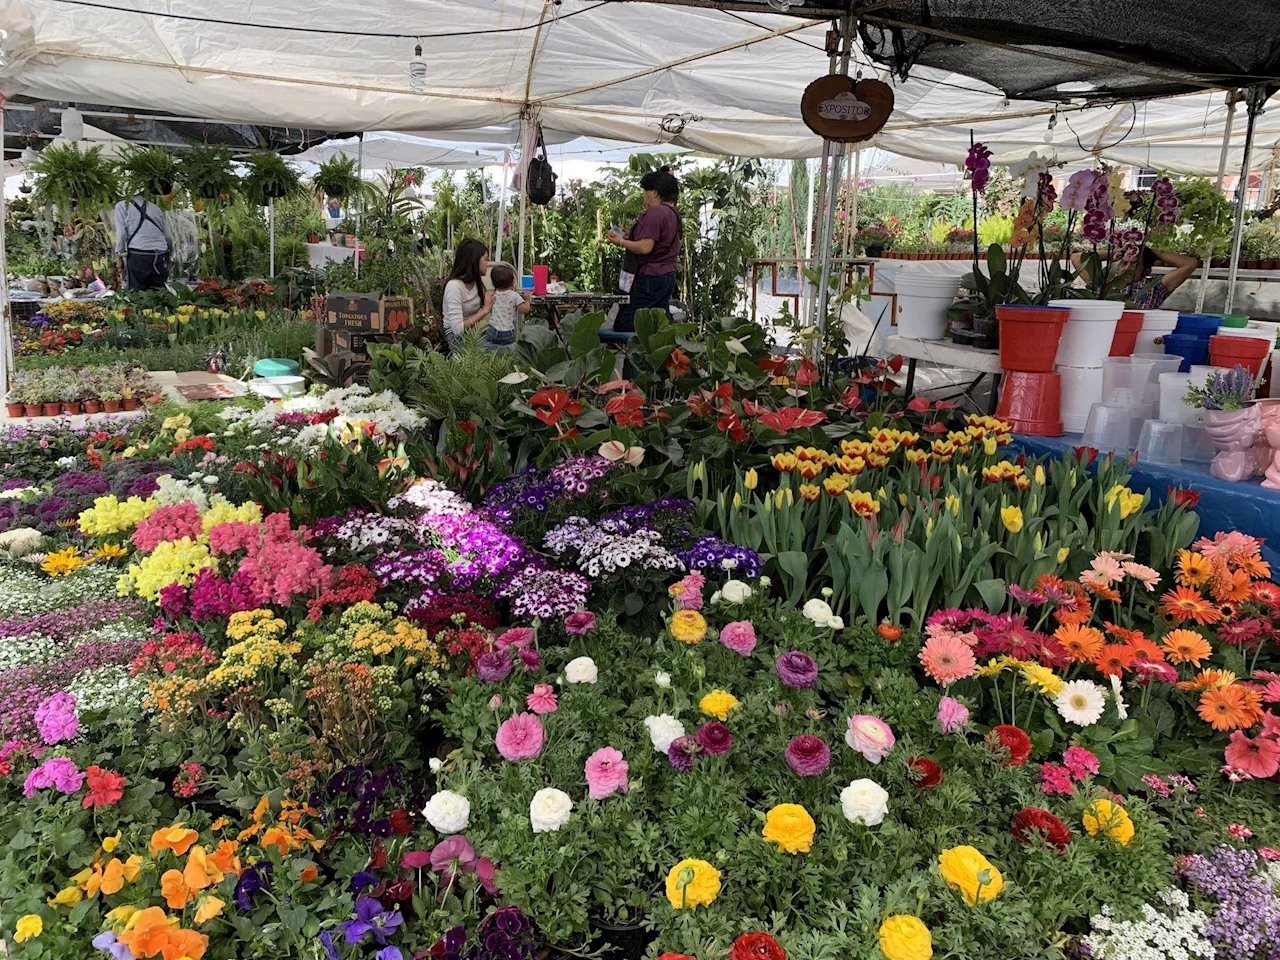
(844, 110)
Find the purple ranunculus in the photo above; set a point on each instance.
(682, 751)
(808, 756)
(494, 666)
(797, 669)
(714, 738)
(580, 623)
(531, 659)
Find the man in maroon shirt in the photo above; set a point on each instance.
(653, 247)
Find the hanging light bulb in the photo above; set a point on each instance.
(417, 71)
(1053, 122)
(72, 124)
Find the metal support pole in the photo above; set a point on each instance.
(816, 296)
(502, 207)
(360, 173)
(1232, 99)
(271, 226)
(806, 288)
(843, 49)
(6, 335)
(524, 191)
(1254, 100)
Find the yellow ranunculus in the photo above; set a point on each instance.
(688, 626)
(29, 926)
(967, 870)
(717, 704)
(790, 827)
(1011, 517)
(692, 883)
(1103, 816)
(905, 937)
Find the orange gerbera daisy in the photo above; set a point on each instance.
(1100, 588)
(1253, 704)
(1208, 679)
(1232, 587)
(1186, 646)
(1194, 570)
(1255, 567)
(1082, 643)
(1114, 659)
(1225, 708)
(1146, 649)
(1128, 636)
(1185, 604)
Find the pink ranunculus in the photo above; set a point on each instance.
(606, 773)
(518, 637)
(531, 659)
(808, 756)
(580, 623)
(543, 699)
(520, 737)
(1259, 756)
(869, 736)
(450, 852)
(952, 715)
(739, 636)
(486, 872)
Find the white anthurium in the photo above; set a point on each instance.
(736, 346)
(514, 377)
(634, 456)
(614, 450)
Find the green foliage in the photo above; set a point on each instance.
(206, 173)
(81, 180)
(149, 171)
(270, 177)
(337, 177)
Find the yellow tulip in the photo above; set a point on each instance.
(1011, 517)
(751, 479)
(1063, 553)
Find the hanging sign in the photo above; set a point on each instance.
(839, 108)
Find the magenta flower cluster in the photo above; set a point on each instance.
(168, 523)
(57, 772)
(56, 718)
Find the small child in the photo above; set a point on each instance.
(500, 335)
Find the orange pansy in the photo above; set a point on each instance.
(175, 891)
(308, 874)
(209, 908)
(185, 943)
(149, 932)
(177, 838)
(225, 859)
(112, 877)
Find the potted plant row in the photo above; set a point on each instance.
(64, 390)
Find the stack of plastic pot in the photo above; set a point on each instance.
(1155, 324)
(1127, 330)
(1086, 342)
(1241, 345)
(1115, 422)
(1030, 399)
(1190, 338)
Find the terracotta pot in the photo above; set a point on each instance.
(129, 403)
(111, 406)
(15, 410)
(71, 409)
(34, 410)
(51, 409)
(92, 406)
(1233, 433)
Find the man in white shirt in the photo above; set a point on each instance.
(142, 243)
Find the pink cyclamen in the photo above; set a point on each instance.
(606, 772)
(520, 737)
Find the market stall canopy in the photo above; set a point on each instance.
(712, 80)
(381, 152)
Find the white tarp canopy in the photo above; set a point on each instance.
(381, 152)
(710, 80)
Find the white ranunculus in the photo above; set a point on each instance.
(436, 764)
(448, 812)
(581, 670)
(663, 731)
(864, 801)
(662, 679)
(819, 611)
(836, 623)
(735, 591)
(549, 810)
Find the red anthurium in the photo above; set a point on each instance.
(934, 428)
(895, 363)
(614, 385)
(919, 405)
(944, 405)
(753, 409)
(557, 401)
(774, 365)
(807, 372)
(731, 425)
(626, 409)
(792, 418)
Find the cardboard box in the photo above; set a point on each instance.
(356, 344)
(362, 313)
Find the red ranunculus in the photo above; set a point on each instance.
(924, 772)
(756, 946)
(1012, 739)
(1183, 498)
(675, 956)
(105, 787)
(1032, 821)
(792, 418)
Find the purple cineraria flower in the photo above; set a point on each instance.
(540, 592)
(712, 553)
(797, 670)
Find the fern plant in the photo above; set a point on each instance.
(207, 173)
(73, 178)
(338, 177)
(149, 171)
(270, 177)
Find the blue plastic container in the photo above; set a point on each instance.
(1194, 351)
(526, 283)
(275, 367)
(1198, 324)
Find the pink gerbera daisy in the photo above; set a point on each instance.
(947, 659)
(1143, 574)
(1106, 567)
(948, 621)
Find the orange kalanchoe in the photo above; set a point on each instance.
(1183, 604)
(1225, 708)
(1082, 643)
(1186, 646)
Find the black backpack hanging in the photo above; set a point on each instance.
(541, 178)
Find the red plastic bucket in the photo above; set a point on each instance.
(1126, 337)
(1029, 337)
(1227, 351)
(1032, 402)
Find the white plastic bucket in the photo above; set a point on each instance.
(1081, 389)
(1088, 332)
(923, 299)
(1155, 324)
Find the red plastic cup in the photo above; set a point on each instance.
(540, 280)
